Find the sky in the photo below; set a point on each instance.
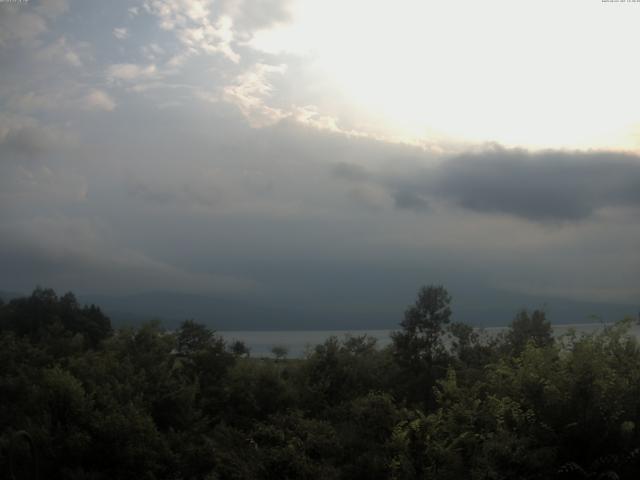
(327, 155)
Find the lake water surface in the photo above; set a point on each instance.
(298, 342)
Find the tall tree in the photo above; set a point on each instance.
(527, 328)
(418, 347)
(420, 340)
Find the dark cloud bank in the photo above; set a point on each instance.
(548, 186)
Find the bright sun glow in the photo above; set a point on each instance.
(536, 73)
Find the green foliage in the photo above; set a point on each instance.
(365, 426)
(337, 371)
(290, 446)
(255, 390)
(82, 402)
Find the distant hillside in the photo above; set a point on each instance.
(172, 308)
(483, 308)
(224, 313)
(5, 296)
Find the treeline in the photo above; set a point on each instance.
(81, 401)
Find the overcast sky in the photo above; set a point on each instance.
(329, 151)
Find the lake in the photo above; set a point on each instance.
(297, 342)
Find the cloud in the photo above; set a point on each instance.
(251, 15)
(58, 99)
(120, 33)
(99, 100)
(310, 116)
(156, 198)
(142, 191)
(131, 71)
(19, 25)
(350, 172)
(539, 186)
(178, 13)
(25, 141)
(24, 138)
(547, 186)
(252, 93)
(196, 26)
(66, 251)
(249, 94)
(373, 197)
(152, 51)
(61, 51)
(211, 38)
(27, 174)
(52, 8)
(25, 23)
(410, 201)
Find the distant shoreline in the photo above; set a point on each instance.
(297, 342)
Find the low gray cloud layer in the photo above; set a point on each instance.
(544, 186)
(547, 186)
(410, 200)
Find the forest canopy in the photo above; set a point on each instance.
(81, 400)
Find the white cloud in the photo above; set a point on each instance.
(310, 115)
(177, 61)
(251, 16)
(99, 100)
(249, 93)
(152, 51)
(120, 33)
(195, 26)
(252, 93)
(37, 100)
(20, 25)
(177, 13)
(52, 8)
(131, 71)
(71, 97)
(61, 51)
(211, 38)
